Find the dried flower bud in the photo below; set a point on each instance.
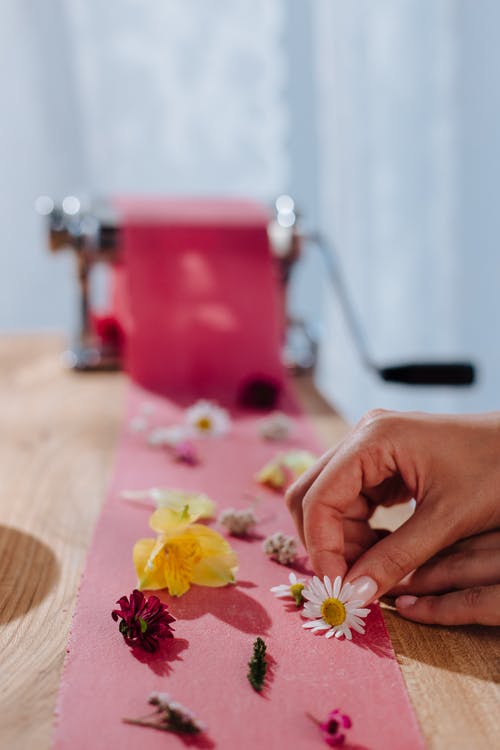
(281, 548)
(238, 522)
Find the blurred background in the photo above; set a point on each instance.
(380, 118)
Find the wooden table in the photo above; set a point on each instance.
(57, 439)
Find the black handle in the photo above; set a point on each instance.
(430, 373)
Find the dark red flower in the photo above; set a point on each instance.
(144, 622)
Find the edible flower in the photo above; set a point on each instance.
(281, 548)
(183, 553)
(207, 419)
(169, 716)
(334, 727)
(169, 436)
(238, 522)
(275, 427)
(333, 607)
(145, 622)
(198, 503)
(292, 589)
(285, 469)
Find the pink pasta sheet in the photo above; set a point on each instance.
(205, 666)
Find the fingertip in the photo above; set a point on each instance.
(327, 563)
(405, 602)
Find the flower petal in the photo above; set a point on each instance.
(168, 521)
(336, 587)
(149, 572)
(200, 505)
(328, 586)
(218, 564)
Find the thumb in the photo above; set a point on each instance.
(383, 566)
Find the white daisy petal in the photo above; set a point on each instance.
(358, 627)
(336, 588)
(345, 592)
(328, 586)
(293, 579)
(317, 585)
(317, 625)
(338, 634)
(363, 612)
(313, 599)
(311, 613)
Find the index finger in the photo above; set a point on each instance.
(338, 485)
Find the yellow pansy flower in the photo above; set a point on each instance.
(285, 468)
(183, 553)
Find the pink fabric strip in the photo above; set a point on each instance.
(206, 665)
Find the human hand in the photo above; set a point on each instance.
(460, 586)
(450, 465)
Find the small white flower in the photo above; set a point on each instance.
(293, 589)
(238, 522)
(276, 426)
(169, 436)
(207, 419)
(138, 424)
(332, 607)
(281, 548)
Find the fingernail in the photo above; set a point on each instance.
(365, 588)
(405, 601)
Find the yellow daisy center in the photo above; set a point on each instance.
(333, 611)
(204, 424)
(296, 591)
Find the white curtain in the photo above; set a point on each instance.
(409, 138)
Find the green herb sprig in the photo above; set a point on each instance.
(257, 666)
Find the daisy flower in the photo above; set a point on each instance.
(292, 589)
(332, 607)
(207, 419)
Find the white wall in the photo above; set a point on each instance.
(411, 156)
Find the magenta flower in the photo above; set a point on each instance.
(144, 622)
(333, 728)
(185, 453)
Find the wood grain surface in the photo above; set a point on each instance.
(57, 438)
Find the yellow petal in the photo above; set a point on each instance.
(272, 475)
(218, 564)
(299, 461)
(200, 505)
(180, 556)
(147, 561)
(169, 522)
